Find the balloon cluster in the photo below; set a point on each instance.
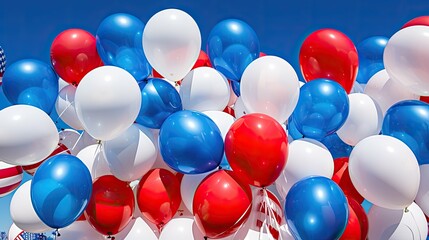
(165, 141)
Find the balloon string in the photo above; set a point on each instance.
(249, 208)
(270, 217)
(65, 109)
(77, 141)
(412, 215)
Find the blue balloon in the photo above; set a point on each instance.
(408, 121)
(31, 82)
(292, 130)
(159, 100)
(190, 142)
(370, 53)
(236, 88)
(316, 208)
(322, 108)
(336, 146)
(119, 43)
(232, 45)
(60, 190)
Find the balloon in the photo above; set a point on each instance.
(93, 158)
(316, 208)
(31, 82)
(172, 43)
(239, 108)
(202, 61)
(14, 231)
(336, 146)
(159, 100)
(364, 119)
(361, 217)
(22, 212)
(270, 85)
(182, 228)
(188, 186)
(408, 121)
(131, 154)
(223, 120)
(60, 190)
(141, 230)
(236, 88)
(222, 203)
(375, 156)
(403, 56)
(422, 20)
(75, 141)
(80, 230)
(65, 107)
(2, 63)
(328, 53)
(353, 229)
(422, 198)
(342, 178)
(322, 109)
(111, 206)
(4, 103)
(27, 136)
(10, 178)
(74, 54)
(232, 45)
(31, 169)
(204, 89)
(370, 53)
(232, 95)
(190, 142)
(386, 92)
(306, 158)
(107, 102)
(119, 43)
(256, 147)
(397, 224)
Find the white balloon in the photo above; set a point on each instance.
(14, 231)
(386, 92)
(23, 213)
(27, 135)
(204, 89)
(159, 162)
(385, 171)
(188, 186)
(62, 84)
(422, 198)
(79, 230)
(73, 140)
(181, 229)
(65, 107)
(397, 224)
(365, 119)
(222, 119)
(107, 102)
(239, 108)
(307, 157)
(405, 58)
(172, 43)
(94, 160)
(270, 85)
(232, 97)
(131, 154)
(141, 230)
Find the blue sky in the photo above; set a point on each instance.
(27, 28)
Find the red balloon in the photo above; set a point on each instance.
(111, 206)
(342, 178)
(229, 110)
(221, 204)
(158, 196)
(262, 54)
(424, 99)
(362, 217)
(418, 21)
(328, 53)
(256, 147)
(353, 229)
(74, 54)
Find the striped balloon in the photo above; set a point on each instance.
(10, 178)
(267, 211)
(2, 63)
(61, 149)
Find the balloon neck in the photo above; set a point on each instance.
(406, 210)
(110, 236)
(99, 142)
(160, 227)
(206, 238)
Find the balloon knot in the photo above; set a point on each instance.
(98, 141)
(206, 238)
(406, 210)
(57, 232)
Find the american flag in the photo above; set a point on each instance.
(2, 63)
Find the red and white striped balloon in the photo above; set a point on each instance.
(10, 178)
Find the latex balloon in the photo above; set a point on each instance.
(119, 43)
(223, 120)
(204, 89)
(10, 178)
(231, 46)
(80, 230)
(316, 208)
(372, 158)
(159, 100)
(22, 212)
(172, 43)
(239, 108)
(306, 158)
(131, 154)
(181, 229)
(422, 20)
(322, 108)
(4, 103)
(141, 230)
(31, 82)
(111, 206)
(74, 54)
(403, 56)
(386, 92)
(107, 102)
(14, 231)
(397, 224)
(93, 158)
(31, 169)
(75, 141)
(27, 136)
(357, 125)
(221, 192)
(65, 107)
(270, 85)
(342, 178)
(188, 186)
(158, 196)
(422, 198)
(361, 216)
(370, 53)
(336, 146)
(353, 229)
(328, 53)
(190, 142)
(408, 121)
